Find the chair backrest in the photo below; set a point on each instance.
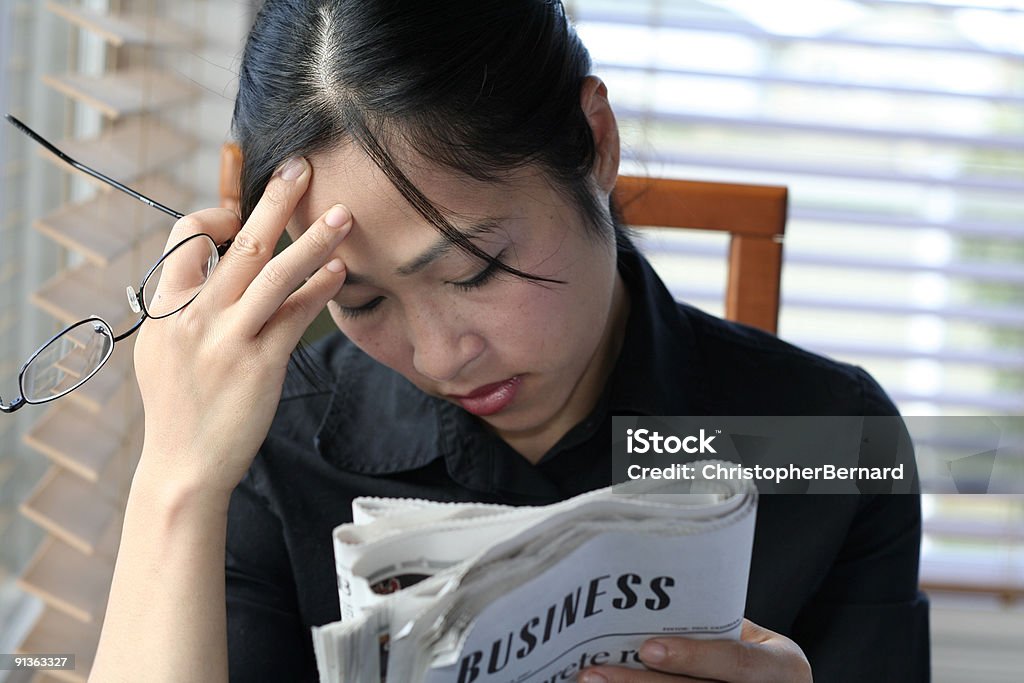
(753, 215)
(230, 176)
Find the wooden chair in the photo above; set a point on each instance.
(753, 215)
(230, 176)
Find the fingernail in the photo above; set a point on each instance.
(335, 265)
(653, 652)
(292, 168)
(337, 216)
(592, 677)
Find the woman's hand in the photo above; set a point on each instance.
(211, 375)
(760, 656)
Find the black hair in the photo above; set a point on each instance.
(482, 87)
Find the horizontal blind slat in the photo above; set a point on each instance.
(1008, 273)
(656, 20)
(761, 78)
(1011, 361)
(80, 594)
(66, 506)
(56, 629)
(109, 225)
(136, 148)
(995, 142)
(943, 6)
(969, 228)
(787, 169)
(1005, 403)
(126, 30)
(999, 317)
(121, 93)
(1009, 317)
(88, 444)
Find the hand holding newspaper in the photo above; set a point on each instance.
(475, 593)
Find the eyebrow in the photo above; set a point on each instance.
(443, 246)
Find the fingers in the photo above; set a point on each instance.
(184, 268)
(727, 660)
(182, 272)
(254, 244)
(761, 656)
(287, 325)
(220, 224)
(313, 252)
(612, 674)
(253, 288)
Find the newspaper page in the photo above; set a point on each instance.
(467, 593)
(600, 604)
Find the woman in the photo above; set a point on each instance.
(444, 170)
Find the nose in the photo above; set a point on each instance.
(442, 343)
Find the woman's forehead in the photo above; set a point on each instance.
(348, 176)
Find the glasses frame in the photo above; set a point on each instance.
(135, 296)
(21, 400)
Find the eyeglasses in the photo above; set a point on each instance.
(76, 353)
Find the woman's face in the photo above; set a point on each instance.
(527, 358)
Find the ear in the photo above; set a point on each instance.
(594, 102)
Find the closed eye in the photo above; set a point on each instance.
(475, 282)
(483, 277)
(351, 312)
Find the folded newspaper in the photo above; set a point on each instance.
(477, 593)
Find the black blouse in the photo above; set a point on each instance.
(838, 574)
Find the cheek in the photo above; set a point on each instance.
(565, 323)
(379, 339)
(531, 323)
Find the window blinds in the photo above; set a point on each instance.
(144, 96)
(898, 126)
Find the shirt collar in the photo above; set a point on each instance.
(657, 372)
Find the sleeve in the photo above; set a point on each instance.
(868, 621)
(267, 640)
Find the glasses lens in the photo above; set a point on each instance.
(67, 362)
(179, 275)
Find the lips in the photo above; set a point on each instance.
(490, 398)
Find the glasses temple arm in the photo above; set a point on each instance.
(85, 169)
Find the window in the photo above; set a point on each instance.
(898, 126)
(143, 91)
